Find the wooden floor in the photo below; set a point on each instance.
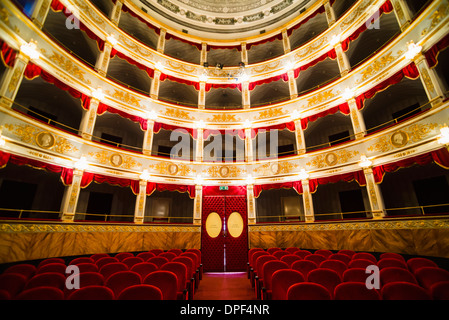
(225, 286)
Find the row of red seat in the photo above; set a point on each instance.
(154, 275)
(300, 274)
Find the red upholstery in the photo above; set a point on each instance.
(323, 252)
(130, 261)
(394, 274)
(50, 260)
(326, 277)
(347, 252)
(280, 254)
(364, 255)
(98, 256)
(169, 255)
(355, 291)
(93, 292)
(49, 279)
(141, 292)
(404, 291)
(336, 265)
(391, 262)
(52, 267)
(123, 255)
(392, 255)
(255, 256)
(159, 261)
(177, 251)
(13, 283)
(290, 258)
(121, 280)
(360, 263)
(440, 290)
(341, 257)
(260, 262)
(41, 293)
(145, 255)
(109, 269)
(188, 263)
(317, 258)
(181, 274)
(87, 267)
(268, 269)
(272, 250)
(418, 262)
(428, 276)
(282, 280)
(91, 279)
(355, 275)
(144, 268)
(166, 281)
(308, 291)
(80, 260)
(4, 295)
(156, 251)
(304, 266)
(104, 261)
(25, 269)
(291, 250)
(303, 253)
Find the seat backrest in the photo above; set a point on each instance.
(180, 270)
(255, 256)
(169, 255)
(304, 266)
(323, 252)
(176, 251)
(347, 252)
(392, 255)
(166, 281)
(48, 279)
(269, 268)
(290, 258)
(428, 276)
(280, 254)
(195, 251)
(13, 283)
(123, 255)
(291, 250)
(93, 292)
(303, 253)
(87, 267)
(50, 260)
(141, 292)
(192, 256)
(365, 255)
(404, 291)
(144, 268)
(130, 261)
(121, 280)
(79, 260)
(104, 261)
(308, 291)
(188, 263)
(326, 277)
(52, 267)
(336, 265)
(391, 262)
(360, 263)
(440, 290)
(156, 251)
(355, 291)
(159, 261)
(109, 269)
(273, 249)
(260, 262)
(98, 256)
(283, 279)
(91, 279)
(395, 274)
(252, 251)
(145, 255)
(341, 257)
(355, 275)
(317, 258)
(418, 262)
(41, 293)
(25, 269)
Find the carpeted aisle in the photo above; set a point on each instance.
(225, 286)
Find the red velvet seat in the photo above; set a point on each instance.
(324, 252)
(355, 291)
(347, 252)
(290, 258)
(280, 254)
(440, 290)
(4, 295)
(104, 261)
(159, 261)
(268, 269)
(98, 256)
(87, 267)
(360, 263)
(145, 255)
(93, 292)
(175, 251)
(50, 260)
(166, 281)
(355, 275)
(121, 280)
(198, 254)
(25, 269)
(392, 255)
(86, 279)
(109, 269)
(123, 255)
(141, 292)
(156, 251)
(252, 265)
(418, 262)
(404, 291)
(258, 275)
(282, 280)
(188, 263)
(336, 265)
(52, 267)
(41, 293)
(291, 250)
(395, 274)
(303, 253)
(144, 268)
(364, 255)
(169, 255)
(196, 261)
(304, 266)
(340, 257)
(130, 261)
(48, 279)
(308, 291)
(317, 258)
(80, 260)
(428, 276)
(391, 262)
(326, 277)
(273, 249)
(13, 283)
(180, 270)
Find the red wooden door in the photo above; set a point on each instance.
(228, 251)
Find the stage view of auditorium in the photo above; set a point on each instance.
(224, 150)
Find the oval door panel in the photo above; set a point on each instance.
(235, 224)
(213, 225)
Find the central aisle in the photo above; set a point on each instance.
(225, 286)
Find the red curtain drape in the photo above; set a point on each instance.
(432, 54)
(8, 54)
(215, 47)
(59, 7)
(358, 176)
(331, 54)
(410, 71)
(320, 10)
(32, 71)
(223, 85)
(164, 76)
(132, 13)
(387, 7)
(343, 108)
(258, 188)
(290, 126)
(89, 177)
(148, 70)
(232, 190)
(283, 76)
(152, 186)
(169, 36)
(214, 132)
(102, 108)
(159, 125)
(276, 37)
(440, 157)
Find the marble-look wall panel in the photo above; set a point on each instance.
(30, 242)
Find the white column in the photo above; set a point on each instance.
(203, 57)
(251, 204)
(88, 120)
(358, 123)
(374, 195)
(330, 14)
(12, 79)
(148, 138)
(246, 100)
(40, 12)
(309, 215)
(248, 145)
(141, 198)
(155, 84)
(103, 59)
(70, 198)
(430, 80)
(292, 84)
(402, 12)
(161, 40)
(202, 95)
(198, 205)
(116, 12)
(244, 53)
(300, 141)
(342, 59)
(199, 145)
(286, 41)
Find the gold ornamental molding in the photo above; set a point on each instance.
(362, 225)
(115, 159)
(331, 159)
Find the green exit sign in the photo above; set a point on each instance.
(223, 188)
